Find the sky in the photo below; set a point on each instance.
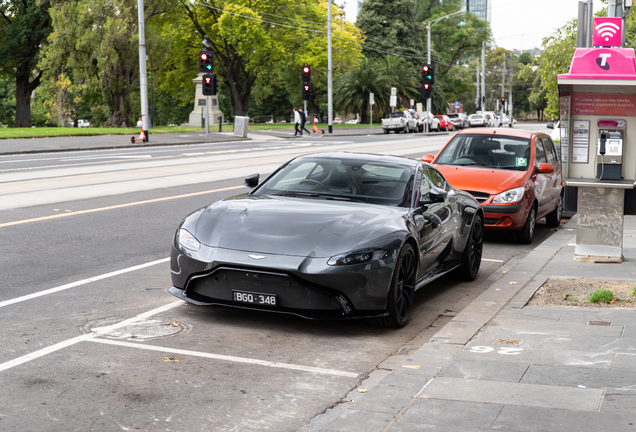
(520, 24)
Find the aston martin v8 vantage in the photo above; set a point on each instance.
(333, 235)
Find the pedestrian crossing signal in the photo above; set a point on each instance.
(307, 91)
(210, 85)
(426, 91)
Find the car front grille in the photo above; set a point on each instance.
(481, 197)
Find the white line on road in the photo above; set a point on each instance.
(229, 358)
(67, 343)
(81, 282)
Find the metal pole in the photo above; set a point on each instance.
(143, 79)
(477, 92)
(152, 99)
(580, 25)
(503, 82)
(483, 76)
(590, 23)
(207, 116)
(329, 78)
(510, 92)
(428, 101)
(371, 118)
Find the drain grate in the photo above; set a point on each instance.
(601, 323)
(514, 342)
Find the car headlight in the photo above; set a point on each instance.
(357, 257)
(187, 240)
(509, 196)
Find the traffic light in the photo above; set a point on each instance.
(306, 91)
(426, 91)
(206, 61)
(428, 74)
(306, 74)
(503, 100)
(209, 85)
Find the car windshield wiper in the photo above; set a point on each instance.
(471, 163)
(511, 167)
(297, 194)
(339, 198)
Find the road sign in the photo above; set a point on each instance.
(393, 101)
(393, 91)
(456, 105)
(371, 101)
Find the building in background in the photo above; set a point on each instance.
(481, 8)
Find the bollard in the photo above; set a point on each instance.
(220, 124)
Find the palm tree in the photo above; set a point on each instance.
(403, 75)
(351, 91)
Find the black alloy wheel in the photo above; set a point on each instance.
(553, 219)
(471, 258)
(527, 232)
(402, 289)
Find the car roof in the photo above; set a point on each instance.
(365, 156)
(519, 133)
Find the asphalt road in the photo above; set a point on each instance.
(93, 341)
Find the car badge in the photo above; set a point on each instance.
(257, 257)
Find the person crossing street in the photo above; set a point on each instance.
(297, 123)
(303, 121)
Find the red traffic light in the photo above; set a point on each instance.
(306, 69)
(425, 68)
(204, 56)
(306, 88)
(426, 86)
(208, 80)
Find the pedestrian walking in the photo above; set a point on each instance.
(303, 121)
(297, 123)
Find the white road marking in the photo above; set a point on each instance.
(81, 282)
(323, 371)
(74, 158)
(492, 260)
(67, 343)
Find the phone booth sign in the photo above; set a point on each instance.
(597, 101)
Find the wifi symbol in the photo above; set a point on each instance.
(607, 30)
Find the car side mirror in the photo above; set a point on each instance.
(252, 180)
(428, 158)
(550, 125)
(435, 195)
(546, 168)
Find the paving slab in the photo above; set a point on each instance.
(486, 370)
(456, 415)
(624, 361)
(576, 376)
(390, 395)
(590, 343)
(504, 393)
(533, 419)
(618, 317)
(533, 313)
(619, 402)
(523, 326)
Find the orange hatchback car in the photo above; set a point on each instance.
(514, 174)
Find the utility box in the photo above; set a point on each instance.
(598, 146)
(240, 126)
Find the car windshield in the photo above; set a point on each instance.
(396, 114)
(492, 151)
(453, 116)
(345, 179)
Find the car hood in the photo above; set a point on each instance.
(488, 180)
(295, 226)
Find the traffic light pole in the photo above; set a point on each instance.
(207, 116)
(329, 80)
(143, 79)
(428, 101)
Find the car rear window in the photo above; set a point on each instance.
(476, 116)
(491, 151)
(396, 115)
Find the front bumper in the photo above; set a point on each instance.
(305, 287)
(504, 217)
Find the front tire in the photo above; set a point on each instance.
(402, 289)
(471, 258)
(553, 219)
(527, 233)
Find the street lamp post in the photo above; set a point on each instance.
(428, 38)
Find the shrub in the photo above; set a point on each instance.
(597, 296)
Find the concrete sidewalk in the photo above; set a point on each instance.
(502, 365)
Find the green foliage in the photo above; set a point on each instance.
(390, 27)
(525, 58)
(633, 294)
(351, 91)
(606, 296)
(7, 100)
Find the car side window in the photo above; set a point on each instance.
(425, 188)
(436, 178)
(539, 152)
(551, 151)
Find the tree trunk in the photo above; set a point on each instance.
(23, 101)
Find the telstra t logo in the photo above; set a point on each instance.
(601, 61)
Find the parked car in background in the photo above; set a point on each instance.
(514, 174)
(491, 119)
(475, 120)
(445, 123)
(503, 119)
(401, 121)
(337, 120)
(80, 123)
(426, 117)
(459, 120)
(353, 121)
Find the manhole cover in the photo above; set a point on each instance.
(138, 330)
(601, 323)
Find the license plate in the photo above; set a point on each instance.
(254, 298)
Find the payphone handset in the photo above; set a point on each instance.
(609, 149)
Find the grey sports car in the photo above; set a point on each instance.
(333, 235)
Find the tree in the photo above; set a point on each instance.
(389, 26)
(24, 27)
(99, 40)
(351, 91)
